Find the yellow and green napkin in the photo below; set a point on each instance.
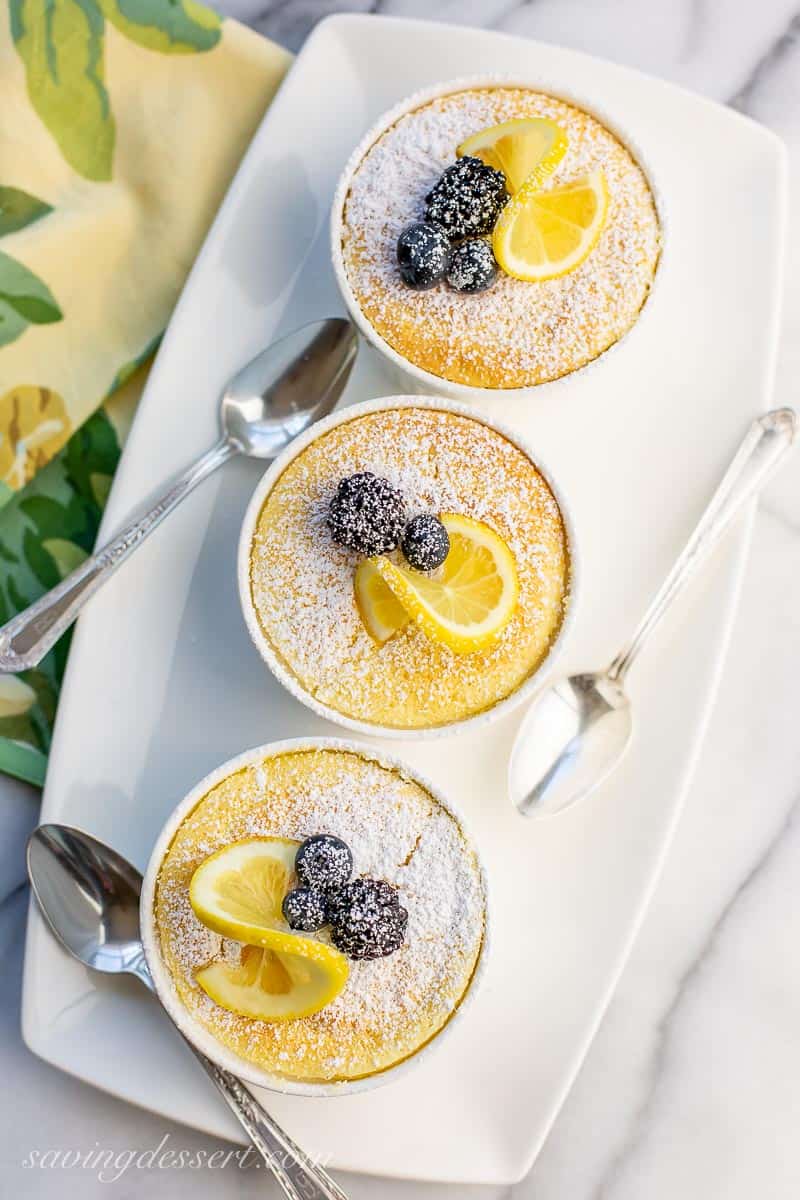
(121, 125)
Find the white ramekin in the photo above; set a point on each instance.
(426, 380)
(287, 678)
(165, 987)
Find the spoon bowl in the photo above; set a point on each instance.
(287, 387)
(89, 896)
(570, 740)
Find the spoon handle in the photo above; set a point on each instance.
(298, 1176)
(763, 448)
(26, 638)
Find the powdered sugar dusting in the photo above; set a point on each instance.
(516, 333)
(398, 832)
(302, 581)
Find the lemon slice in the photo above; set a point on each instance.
(238, 893)
(467, 601)
(527, 149)
(540, 235)
(381, 612)
(277, 985)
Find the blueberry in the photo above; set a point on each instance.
(367, 919)
(425, 542)
(422, 254)
(468, 199)
(304, 909)
(366, 514)
(472, 266)
(323, 862)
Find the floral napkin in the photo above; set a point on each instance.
(121, 124)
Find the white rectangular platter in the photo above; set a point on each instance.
(163, 683)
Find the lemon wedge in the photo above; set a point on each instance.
(467, 601)
(381, 612)
(238, 892)
(526, 149)
(541, 235)
(277, 985)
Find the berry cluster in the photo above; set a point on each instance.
(365, 915)
(367, 515)
(460, 210)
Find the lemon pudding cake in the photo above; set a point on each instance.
(409, 568)
(319, 913)
(496, 236)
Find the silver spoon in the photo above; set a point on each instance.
(577, 729)
(89, 897)
(290, 385)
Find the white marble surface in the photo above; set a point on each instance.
(691, 1087)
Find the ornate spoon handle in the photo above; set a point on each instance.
(26, 638)
(764, 446)
(299, 1178)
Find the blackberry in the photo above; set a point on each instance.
(472, 266)
(422, 254)
(425, 542)
(367, 919)
(468, 199)
(323, 863)
(366, 514)
(304, 909)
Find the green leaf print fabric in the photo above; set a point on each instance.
(61, 45)
(23, 297)
(181, 27)
(18, 209)
(46, 531)
(122, 124)
(24, 300)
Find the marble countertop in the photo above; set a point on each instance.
(690, 1088)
